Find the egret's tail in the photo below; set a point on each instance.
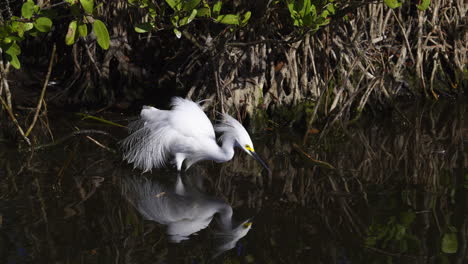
(147, 145)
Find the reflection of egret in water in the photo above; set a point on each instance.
(185, 210)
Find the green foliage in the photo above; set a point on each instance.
(424, 4)
(228, 19)
(144, 27)
(43, 24)
(88, 6)
(183, 12)
(173, 15)
(310, 14)
(102, 35)
(217, 8)
(394, 234)
(27, 10)
(393, 3)
(34, 21)
(450, 241)
(71, 35)
(82, 29)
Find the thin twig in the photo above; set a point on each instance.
(91, 58)
(100, 144)
(63, 139)
(41, 98)
(13, 118)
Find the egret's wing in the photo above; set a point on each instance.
(149, 142)
(187, 118)
(158, 133)
(155, 202)
(181, 230)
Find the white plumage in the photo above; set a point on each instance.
(184, 209)
(183, 133)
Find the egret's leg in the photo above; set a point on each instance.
(179, 187)
(179, 159)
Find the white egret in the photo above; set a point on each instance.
(184, 209)
(183, 133)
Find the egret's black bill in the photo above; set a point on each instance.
(255, 155)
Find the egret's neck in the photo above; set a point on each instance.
(225, 152)
(225, 215)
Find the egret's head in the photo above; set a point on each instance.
(231, 128)
(242, 229)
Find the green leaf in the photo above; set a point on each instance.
(144, 27)
(424, 4)
(17, 27)
(88, 5)
(217, 8)
(21, 27)
(28, 26)
(82, 29)
(71, 36)
(175, 21)
(308, 20)
(13, 49)
(450, 243)
(305, 10)
(11, 38)
(186, 20)
(204, 12)
(43, 24)
(152, 10)
(291, 6)
(393, 3)
(102, 35)
(13, 59)
(246, 18)
(177, 33)
(228, 19)
(27, 10)
(175, 4)
(190, 4)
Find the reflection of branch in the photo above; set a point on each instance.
(384, 252)
(74, 133)
(314, 161)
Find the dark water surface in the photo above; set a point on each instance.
(387, 190)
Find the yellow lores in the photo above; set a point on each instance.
(247, 225)
(247, 147)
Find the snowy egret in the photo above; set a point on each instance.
(184, 209)
(183, 133)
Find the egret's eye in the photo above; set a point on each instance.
(247, 225)
(249, 148)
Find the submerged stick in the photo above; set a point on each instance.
(41, 98)
(314, 161)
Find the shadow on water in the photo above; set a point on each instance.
(392, 190)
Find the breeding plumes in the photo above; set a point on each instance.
(183, 135)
